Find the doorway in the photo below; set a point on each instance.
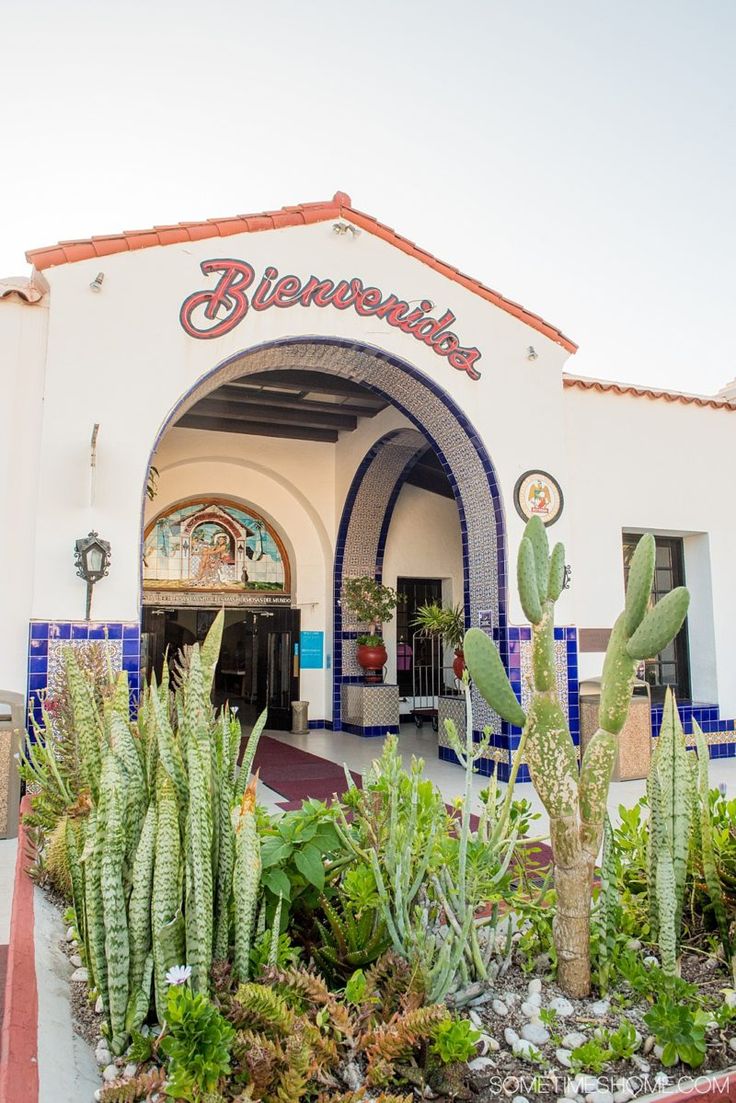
(411, 652)
(259, 659)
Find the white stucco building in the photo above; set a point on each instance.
(321, 398)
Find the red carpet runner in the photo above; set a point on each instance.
(298, 775)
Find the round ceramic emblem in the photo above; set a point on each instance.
(537, 494)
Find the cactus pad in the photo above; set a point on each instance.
(660, 625)
(487, 671)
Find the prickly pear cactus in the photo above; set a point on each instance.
(574, 799)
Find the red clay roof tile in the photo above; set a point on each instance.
(67, 252)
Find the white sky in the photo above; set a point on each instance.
(576, 155)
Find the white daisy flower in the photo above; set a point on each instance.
(179, 974)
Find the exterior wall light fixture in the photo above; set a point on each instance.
(92, 560)
(96, 284)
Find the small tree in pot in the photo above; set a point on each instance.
(373, 604)
(447, 623)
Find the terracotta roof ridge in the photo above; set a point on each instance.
(29, 290)
(587, 383)
(340, 206)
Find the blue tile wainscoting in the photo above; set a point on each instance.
(720, 734)
(48, 639)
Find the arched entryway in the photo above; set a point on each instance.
(366, 513)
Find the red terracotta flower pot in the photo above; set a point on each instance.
(458, 664)
(372, 658)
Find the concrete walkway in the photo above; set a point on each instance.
(67, 1071)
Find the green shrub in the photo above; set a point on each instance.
(197, 1044)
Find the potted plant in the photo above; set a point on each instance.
(373, 604)
(450, 625)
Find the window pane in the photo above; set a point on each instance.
(664, 555)
(663, 581)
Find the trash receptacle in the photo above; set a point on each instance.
(635, 740)
(299, 717)
(12, 708)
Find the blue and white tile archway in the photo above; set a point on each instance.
(442, 424)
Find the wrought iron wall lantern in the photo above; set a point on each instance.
(92, 560)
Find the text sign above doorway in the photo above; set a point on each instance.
(215, 311)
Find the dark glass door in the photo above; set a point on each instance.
(413, 592)
(672, 666)
(258, 666)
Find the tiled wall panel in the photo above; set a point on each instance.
(48, 639)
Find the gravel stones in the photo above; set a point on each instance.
(534, 987)
(510, 1036)
(110, 1073)
(103, 1056)
(524, 1049)
(562, 1006)
(563, 1057)
(79, 975)
(600, 1008)
(574, 1039)
(535, 1033)
(480, 1064)
(500, 1008)
(602, 1095)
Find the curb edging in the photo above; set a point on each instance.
(19, 1041)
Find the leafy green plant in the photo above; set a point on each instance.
(197, 1044)
(371, 602)
(454, 1040)
(287, 954)
(680, 1031)
(449, 623)
(592, 1056)
(536, 937)
(351, 927)
(302, 855)
(624, 1041)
